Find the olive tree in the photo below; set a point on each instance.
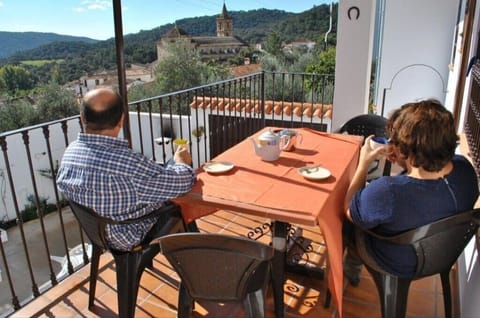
(15, 114)
(182, 68)
(56, 102)
(15, 78)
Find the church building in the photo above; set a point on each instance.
(220, 47)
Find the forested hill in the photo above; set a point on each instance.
(12, 42)
(252, 26)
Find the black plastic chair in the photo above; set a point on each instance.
(129, 266)
(437, 245)
(219, 268)
(366, 125)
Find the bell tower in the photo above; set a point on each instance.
(224, 23)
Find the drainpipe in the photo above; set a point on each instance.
(329, 28)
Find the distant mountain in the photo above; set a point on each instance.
(13, 42)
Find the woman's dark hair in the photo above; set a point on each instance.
(107, 118)
(425, 132)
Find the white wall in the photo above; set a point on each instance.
(417, 43)
(179, 130)
(19, 166)
(354, 48)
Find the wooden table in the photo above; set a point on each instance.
(277, 191)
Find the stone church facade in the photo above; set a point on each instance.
(220, 47)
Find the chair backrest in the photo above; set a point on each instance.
(438, 244)
(218, 267)
(365, 125)
(92, 224)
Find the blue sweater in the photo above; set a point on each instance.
(391, 205)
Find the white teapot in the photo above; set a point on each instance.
(270, 145)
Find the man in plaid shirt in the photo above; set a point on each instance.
(100, 171)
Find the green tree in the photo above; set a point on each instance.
(56, 102)
(273, 44)
(182, 68)
(15, 114)
(324, 64)
(56, 75)
(15, 78)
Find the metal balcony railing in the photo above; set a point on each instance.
(472, 122)
(41, 241)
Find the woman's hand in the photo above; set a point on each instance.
(368, 155)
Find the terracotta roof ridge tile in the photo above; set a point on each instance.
(300, 109)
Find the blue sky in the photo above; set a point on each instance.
(94, 18)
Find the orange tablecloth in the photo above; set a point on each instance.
(277, 191)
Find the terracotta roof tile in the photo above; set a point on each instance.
(277, 107)
(246, 69)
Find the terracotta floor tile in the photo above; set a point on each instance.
(426, 284)
(440, 307)
(421, 304)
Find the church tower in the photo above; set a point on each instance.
(224, 23)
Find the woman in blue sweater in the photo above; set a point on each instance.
(435, 183)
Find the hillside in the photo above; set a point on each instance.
(252, 26)
(13, 42)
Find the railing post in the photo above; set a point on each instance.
(26, 141)
(53, 169)
(262, 97)
(15, 302)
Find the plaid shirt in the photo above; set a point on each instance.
(104, 174)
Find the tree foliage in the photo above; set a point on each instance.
(273, 45)
(14, 79)
(15, 114)
(55, 102)
(286, 82)
(324, 64)
(182, 68)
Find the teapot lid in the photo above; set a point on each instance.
(268, 135)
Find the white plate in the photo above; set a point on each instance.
(314, 172)
(218, 166)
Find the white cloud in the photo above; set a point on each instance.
(92, 5)
(1, 4)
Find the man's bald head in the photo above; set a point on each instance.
(102, 109)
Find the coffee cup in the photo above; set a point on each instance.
(294, 139)
(377, 142)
